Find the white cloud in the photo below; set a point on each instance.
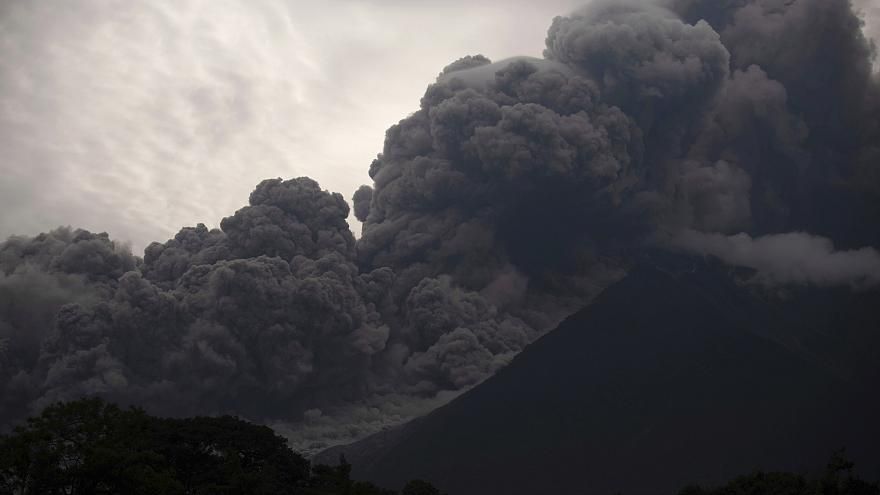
(791, 258)
(869, 11)
(140, 117)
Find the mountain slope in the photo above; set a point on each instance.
(669, 378)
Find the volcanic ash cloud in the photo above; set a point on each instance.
(514, 193)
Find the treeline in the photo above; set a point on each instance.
(838, 479)
(92, 447)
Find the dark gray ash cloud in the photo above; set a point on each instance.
(361, 200)
(516, 192)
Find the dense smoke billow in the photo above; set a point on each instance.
(518, 190)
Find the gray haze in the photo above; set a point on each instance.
(506, 198)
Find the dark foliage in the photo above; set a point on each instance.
(419, 487)
(838, 479)
(92, 447)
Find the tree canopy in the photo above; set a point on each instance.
(89, 446)
(838, 479)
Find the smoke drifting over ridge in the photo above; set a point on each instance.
(792, 258)
(516, 192)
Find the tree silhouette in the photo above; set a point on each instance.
(419, 487)
(837, 479)
(92, 447)
(89, 446)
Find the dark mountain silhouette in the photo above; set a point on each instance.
(677, 374)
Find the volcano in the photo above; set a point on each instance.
(678, 374)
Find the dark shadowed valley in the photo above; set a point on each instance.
(702, 383)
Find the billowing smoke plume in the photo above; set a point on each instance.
(789, 258)
(516, 192)
(38, 277)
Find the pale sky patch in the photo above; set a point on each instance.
(138, 117)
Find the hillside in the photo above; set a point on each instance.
(674, 375)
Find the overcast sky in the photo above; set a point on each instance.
(140, 117)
